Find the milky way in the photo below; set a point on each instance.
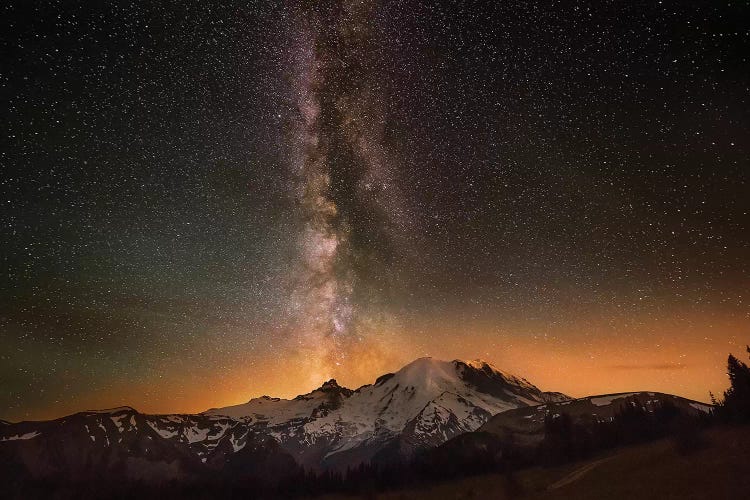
(338, 137)
(322, 296)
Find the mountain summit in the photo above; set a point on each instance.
(423, 404)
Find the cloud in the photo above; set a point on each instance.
(653, 366)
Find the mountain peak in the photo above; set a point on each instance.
(425, 362)
(330, 389)
(479, 364)
(330, 384)
(429, 361)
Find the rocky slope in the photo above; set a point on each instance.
(123, 444)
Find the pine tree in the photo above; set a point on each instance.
(735, 406)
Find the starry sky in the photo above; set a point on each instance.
(204, 202)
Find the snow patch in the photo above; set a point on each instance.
(28, 435)
(118, 422)
(195, 434)
(236, 444)
(106, 435)
(165, 433)
(701, 407)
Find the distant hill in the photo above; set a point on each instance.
(526, 425)
(650, 471)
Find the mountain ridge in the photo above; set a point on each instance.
(422, 407)
(365, 420)
(419, 406)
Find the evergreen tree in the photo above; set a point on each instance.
(735, 406)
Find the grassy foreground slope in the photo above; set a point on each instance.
(720, 470)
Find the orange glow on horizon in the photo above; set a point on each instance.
(685, 356)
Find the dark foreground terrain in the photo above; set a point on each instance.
(719, 469)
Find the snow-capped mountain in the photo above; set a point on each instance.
(121, 443)
(420, 406)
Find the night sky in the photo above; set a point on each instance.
(205, 202)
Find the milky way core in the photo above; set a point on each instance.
(337, 154)
(321, 298)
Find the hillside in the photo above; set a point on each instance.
(655, 470)
(526, 425)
